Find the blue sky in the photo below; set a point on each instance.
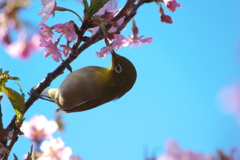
(179, 78)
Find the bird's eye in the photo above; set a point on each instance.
(118, 68)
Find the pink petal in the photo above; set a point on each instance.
(147, 40)
(67, 30)
(54, 149)
(103, 52)
(171, 5)
(39, 127)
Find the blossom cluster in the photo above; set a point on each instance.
(106, 13)
(26, 42)
(40, 131)
(113, 39)
(117, 40)
(67, 30)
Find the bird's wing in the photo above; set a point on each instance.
(80, 87)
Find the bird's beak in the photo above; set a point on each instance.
(114, 54)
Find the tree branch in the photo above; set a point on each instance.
(129, 11)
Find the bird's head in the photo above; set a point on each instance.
(123, 69)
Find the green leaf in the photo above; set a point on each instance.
(95, 6)
(15, 78)
(85, 3)
(17, 102)
(4, 77)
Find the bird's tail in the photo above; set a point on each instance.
(49, 93)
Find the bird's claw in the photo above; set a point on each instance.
(33, 93)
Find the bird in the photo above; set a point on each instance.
(92, 86)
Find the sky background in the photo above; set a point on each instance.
(180, 75)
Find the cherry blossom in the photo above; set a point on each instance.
(118, 41)
(134, 40)
(54, 150)
(67, 29)
(114, 44)
(39, 128)
(46, 31)
(48, 9)
(51, 49)
(174, 152)
(171, 5)
(107, 12)
(103, 52)
(112, 29)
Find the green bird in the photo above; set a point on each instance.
(92, 86)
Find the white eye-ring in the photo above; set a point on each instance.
(118, 68)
